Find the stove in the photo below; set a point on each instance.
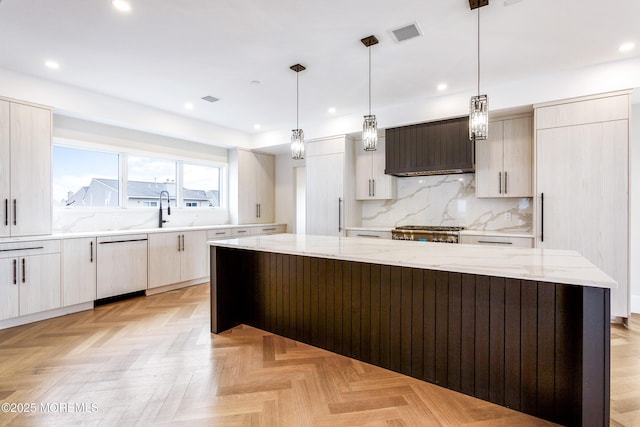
(426, 233)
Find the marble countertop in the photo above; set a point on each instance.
(107, 233)
(545, 265)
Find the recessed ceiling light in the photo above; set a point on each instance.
(188, 106)
(52, 64)
(442, 86)
(257, 126)
(331, 110)
(625, 47)
(255, 82)
(122, 5)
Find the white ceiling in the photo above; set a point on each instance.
(166, 53)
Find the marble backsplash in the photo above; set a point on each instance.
(448, 200)
(87, 220)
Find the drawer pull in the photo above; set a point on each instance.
(221, 233)
(495, 243)
(269, 229)
(368, 235)
(22, 249)
(123, 241)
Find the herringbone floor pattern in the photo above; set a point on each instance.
(152, 361)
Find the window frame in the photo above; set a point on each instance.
(123, 157)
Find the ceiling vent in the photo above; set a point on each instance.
(406, 32)
(210, 98)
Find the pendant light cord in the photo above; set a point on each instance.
(478, 51)
(297, 98)
(369, 80)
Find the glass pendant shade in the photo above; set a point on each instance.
(297, 144)
(478, 118)
(369, 133)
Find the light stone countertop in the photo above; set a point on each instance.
(545, 265)
(106, 233)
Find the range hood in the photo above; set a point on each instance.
(434, 148)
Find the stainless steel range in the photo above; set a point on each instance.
(426, 233)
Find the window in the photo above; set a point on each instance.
(85, 177)
(200, 185)
(147, 178)
(91, 178)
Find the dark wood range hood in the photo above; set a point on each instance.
(434, 148)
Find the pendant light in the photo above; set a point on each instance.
(478, 108)
(370, 126)
(297, 136)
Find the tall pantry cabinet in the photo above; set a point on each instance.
(582, 185)
(331, 204)
(251, 187)
(25, 169)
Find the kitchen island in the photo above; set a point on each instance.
(523, 328)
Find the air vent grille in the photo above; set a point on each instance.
(210, 98)
(407, 32)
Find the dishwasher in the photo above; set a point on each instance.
(122, 266)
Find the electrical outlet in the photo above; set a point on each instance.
(507, 216)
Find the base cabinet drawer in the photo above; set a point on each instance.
(511, 241)
(369, 234)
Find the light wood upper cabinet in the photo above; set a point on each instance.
(504, 160)
(79, 263)
(251, 187)
(25, 169)
(371, 181)
(177, 257)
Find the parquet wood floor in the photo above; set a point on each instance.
(152, 361)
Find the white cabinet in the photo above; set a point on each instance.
(497, 240)
(218, 233)
(79, 263)
(177, 257)
(30, 278)
(371, 234)
(371, 181)
(25, 169)
(330, 189)
(504, 161)
(271, 229)
(251, 187)
(122, 266)
(582, 186)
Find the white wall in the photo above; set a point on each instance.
(80, 103)
(634, 195)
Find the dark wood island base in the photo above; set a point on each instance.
(537, 347)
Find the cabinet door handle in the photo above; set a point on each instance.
(24, 271)
(178, 243)
(6, 212)
(542, 217)
(259, 210)
(15, 212)
(373, 193)
(499, 182)
(339, 214)
(505, 183)
(495, 242)
(183, 243)
(15, 271)
(369, 188)
(91, 251)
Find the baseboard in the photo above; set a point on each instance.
(49, 314)
(635, 303)
(174, 286)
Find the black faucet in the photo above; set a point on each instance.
(160, 220)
